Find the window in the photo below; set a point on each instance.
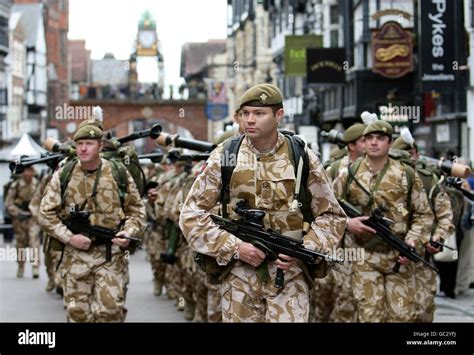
(334, 14)
(334, 38)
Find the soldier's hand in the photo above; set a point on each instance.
(121, 242)
(251, 254)
(403, 260)
(431, 249)
(81, 242)
(356, 226)
(284, 262)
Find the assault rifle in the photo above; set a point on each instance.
(78, 223)
(250, 229)
(382, 227)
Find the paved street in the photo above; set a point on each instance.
(24, 300)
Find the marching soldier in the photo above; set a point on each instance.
(425, 278)
(94, 288)
(51, 256)
(331, 296)
(265, 177)
(382, 293)
(27, 231)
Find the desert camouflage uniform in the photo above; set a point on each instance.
(381, 294)
(94, 289)
(51, 256)
(425, 278)
(323, 296)
(195, 286)
(155, 243)
(267, 182)
(27, 231)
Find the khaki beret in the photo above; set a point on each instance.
(379, 126)
(400, 144)
(92, 122)
(337, 153)
(88, 131)
(260, 96)
(354, 132)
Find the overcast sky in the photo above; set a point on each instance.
(111, 26)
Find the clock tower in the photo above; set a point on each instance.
(148, 47)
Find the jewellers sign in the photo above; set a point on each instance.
(392, 50)
(437, 37)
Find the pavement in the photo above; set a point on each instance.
(25, 300)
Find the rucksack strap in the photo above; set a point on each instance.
(228, 163)
(65, 176)
(119, 173)
(298, 154)
(410, 172)
(352, 170)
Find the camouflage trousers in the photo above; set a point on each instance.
(263, 302)
(425, 283)
(383, 295)
(345, 305)
(322, 298)
(51, 259)
(27, 235)
(214, 308)
(94, 289)
(195, 290)
(155, 246)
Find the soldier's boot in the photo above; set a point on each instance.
(158, 289)
(21, 270)
(36, 273)
(59, 291)
(50, 285)
(189, 309)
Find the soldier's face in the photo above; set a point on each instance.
(260, 122)
(377, 145)
(88, 150)
(358, 146)
(28, 174)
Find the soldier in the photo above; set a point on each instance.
(334, 290)
(425, 278)
(27, 231)
(94, 289)
(51, 256)
(265, 177)
(353, 137)
(377, 181)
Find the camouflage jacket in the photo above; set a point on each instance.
(38, 195)
(19, 196)
(391, 193)
(443, 217)
(338, 165)
(267, 182)
(105, 208)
